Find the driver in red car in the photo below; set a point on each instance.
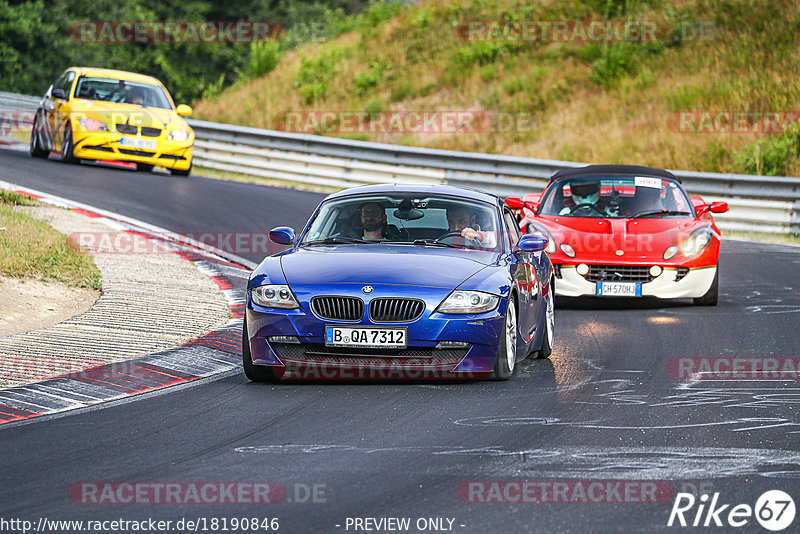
(585, 200)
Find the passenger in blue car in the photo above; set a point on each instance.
(373, 223)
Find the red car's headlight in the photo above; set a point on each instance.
(697, 241)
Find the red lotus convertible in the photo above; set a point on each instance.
(626, 231)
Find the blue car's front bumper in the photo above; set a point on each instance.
(481, 334)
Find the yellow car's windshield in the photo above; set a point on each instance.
(122, 91)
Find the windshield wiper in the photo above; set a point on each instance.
(658, 212)
(335, 240)
(434, 243)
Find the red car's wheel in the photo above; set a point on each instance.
(712, 295)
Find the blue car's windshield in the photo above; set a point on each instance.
(622, 197)
(421, 220)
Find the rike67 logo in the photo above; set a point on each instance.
(774, 510)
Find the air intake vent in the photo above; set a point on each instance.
(393, 310)
(126, 128)
(338, 308)
(619, 273)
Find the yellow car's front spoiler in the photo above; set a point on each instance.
(106, 146)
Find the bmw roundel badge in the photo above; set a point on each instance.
(367, 290)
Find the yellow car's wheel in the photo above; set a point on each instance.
(67, 146)
(178, 172)
(35, 149)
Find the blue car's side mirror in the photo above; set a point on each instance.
(532, 243)
(282, 235)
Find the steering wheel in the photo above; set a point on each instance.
(449, 235)
(586, 206)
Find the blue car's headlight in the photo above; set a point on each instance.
(465, 302)
(274, 296)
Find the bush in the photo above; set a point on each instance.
(401, 92)
(482, 53)
(314, 74)
(264, 57)
(375, 75)
(621, 58)
(770, 157)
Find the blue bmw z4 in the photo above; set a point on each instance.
(400, 282)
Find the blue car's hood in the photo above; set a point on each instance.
(383, 264)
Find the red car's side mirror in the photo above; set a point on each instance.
(718, 207)
(515, 203)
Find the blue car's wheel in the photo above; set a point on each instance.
(255, 373)
(507, 352)
(549, 325)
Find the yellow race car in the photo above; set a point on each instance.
(113, 115)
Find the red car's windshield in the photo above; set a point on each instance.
(639, 196)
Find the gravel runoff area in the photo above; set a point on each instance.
(150, 301)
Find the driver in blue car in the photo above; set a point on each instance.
(584, 200)
(463, 221)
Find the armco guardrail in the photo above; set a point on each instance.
(757, 203)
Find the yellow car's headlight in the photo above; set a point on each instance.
(93, 125)
(178, 135)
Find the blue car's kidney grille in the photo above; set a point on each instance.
(394, 310)
(338, 308)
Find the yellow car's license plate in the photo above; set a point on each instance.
(135, 142)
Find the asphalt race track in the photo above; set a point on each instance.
(609, 407)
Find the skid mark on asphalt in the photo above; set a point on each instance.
(586, 462)
(741, 424)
